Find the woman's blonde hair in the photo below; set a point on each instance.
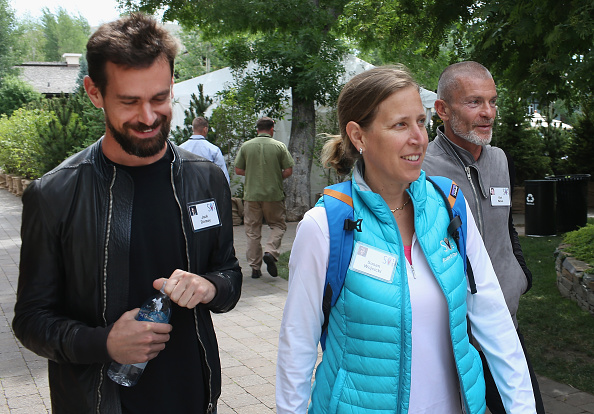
(358, 101)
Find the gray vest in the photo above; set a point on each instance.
(476, 178)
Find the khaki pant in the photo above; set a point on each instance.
(274, 213)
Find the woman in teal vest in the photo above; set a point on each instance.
(397, 336)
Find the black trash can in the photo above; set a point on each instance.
(572, 201)
(540, 217)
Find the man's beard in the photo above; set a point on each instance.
(141, 147)
(470, 136)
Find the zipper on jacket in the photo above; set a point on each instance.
(404, 280)
(411, 258)
(105, 252)
(477, 200)
(181, 210)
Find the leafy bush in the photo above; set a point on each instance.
(64, 132)
(36, 139)
(19, 142)
(581, 243)
(15, 93)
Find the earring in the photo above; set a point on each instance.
(360, 151)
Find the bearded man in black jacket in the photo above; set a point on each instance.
(110, 225)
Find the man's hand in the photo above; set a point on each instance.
(286, 173)
(187, 289)
(131, 341)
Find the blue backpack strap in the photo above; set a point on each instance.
(340, 214)
(454, 200)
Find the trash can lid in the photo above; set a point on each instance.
(569, 177)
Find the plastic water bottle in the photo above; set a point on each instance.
(156, 309)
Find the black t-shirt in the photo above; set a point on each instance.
(173, 381)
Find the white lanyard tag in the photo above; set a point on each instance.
(373, 262)
(204, 215)
(500, 196)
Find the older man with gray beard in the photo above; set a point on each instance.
(467, 104)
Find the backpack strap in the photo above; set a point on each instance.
(456, 205)
(338, 203)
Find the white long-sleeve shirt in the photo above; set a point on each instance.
(198, 145)
(490, 321)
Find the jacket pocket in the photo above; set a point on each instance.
(337, 391)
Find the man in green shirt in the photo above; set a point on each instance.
(265, 163)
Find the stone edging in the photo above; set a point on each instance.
(13, 183)
(575, 279)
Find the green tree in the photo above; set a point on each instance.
(61, 134)
(7, 37)
(556, 142)
(541, 48)
(581, 147)
(198, 57)
(425, 70)
(233, 122)
(198, 105)
(298, 47)
(74, 123)
(423, 36)
(513, 134)
(91, 117)
(30, 40)
(327, 125)
(15, 93)
(63, 33)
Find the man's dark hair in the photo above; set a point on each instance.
(264, 124)
(134, 41)
(199, 123)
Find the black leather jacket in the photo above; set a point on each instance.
(73, 281)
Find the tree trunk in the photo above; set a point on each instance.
(301, 145)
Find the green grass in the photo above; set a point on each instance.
(283, 265)
(558, 334)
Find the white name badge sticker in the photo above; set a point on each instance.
(373, 262)
(204, 215)
(500, 196)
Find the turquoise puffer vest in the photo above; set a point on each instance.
(366, 365)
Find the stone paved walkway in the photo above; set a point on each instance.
(247, 339)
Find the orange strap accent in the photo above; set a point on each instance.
(338, 195)
(451, 198)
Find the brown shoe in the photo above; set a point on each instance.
(256, 273)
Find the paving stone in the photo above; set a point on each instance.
(579, 399)
(554, 389)
(588, 408)
(247, 336)
(559, 407)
